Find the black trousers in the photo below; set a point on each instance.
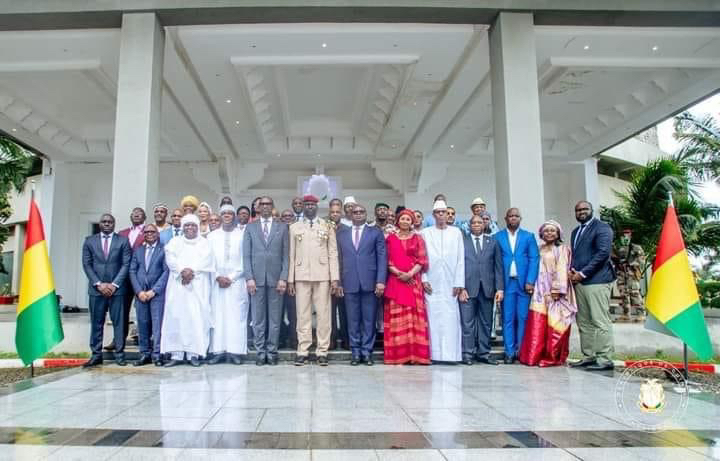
(476, 320)
(288, 333)
(99, 305)
(339, 324)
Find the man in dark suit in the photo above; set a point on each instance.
(363, 270)
(149, 275)
(106, 260)
(134, 234)
(592, 273)
(339, 323)
(484, 286)
(265, 262)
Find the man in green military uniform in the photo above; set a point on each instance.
(629, 259)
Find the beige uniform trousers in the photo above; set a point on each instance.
(307, 295)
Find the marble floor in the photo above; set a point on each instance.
(442, 412)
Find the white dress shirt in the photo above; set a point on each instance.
(512, 238)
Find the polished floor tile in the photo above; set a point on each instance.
(509, 454)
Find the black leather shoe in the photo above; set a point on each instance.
(487, 360)
(195, 361)
(300, 360)
(260, 360)
(354, 361)
(509, 359)
(369, 362)
(158, 362)
(467, 361)
(272, 360)
(121, 362)
(217, 358)
(173, 363)
(600, 367)
(143, 360)
(236, 359)
(583, 362)
(322, 361)
(93, 362)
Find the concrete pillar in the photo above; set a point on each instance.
(137, 118)
(516, 118)
(592, 185)
(18, 253)
(46, 199)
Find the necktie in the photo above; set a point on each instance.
(478, 245)
(106, 248)
(148, 255)
(177, 231)
(357, 237)
(265, 230)
(579, 234)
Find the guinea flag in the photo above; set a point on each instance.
(672, 299)
(38, 328)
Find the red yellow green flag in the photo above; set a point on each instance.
(38, 328)
(672, 298)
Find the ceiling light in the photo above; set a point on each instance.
(655, 48)
(414, 103)
(394, 146)
(324, 45)
(237, 122)
(228, 101)
(14, 130)
(452, 146)
(586, 47)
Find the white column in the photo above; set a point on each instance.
(47, 198)
(137, 119)
(18, 253)
(516, 118)
(592, 186)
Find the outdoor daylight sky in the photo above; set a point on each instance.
(711, 105)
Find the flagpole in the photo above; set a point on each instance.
(32, 199)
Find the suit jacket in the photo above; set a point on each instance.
(526, 256)
(155, 277)
(265, 262)
(313, 252)
(113, 269)
(591, 254)
(361, 269)
(138, 240)
(168, 234)
(483, 270)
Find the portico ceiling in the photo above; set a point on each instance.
(297, 95)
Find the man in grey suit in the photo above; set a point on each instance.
(483, 287)
(265, 255)
(106, 261)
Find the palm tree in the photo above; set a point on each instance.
(15, 165)
(700, 152)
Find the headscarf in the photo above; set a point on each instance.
(206, 205)
(406, 212)
(226, 207)
(159, 206)
(190, 200)
(553, 223)
(190, 219)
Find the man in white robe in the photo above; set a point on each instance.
(442, 283)
(187, 320)
(229, 295)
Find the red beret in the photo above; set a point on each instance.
(310, 198)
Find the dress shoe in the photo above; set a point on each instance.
(121, 362)
(467, 361)
(158, 362)
(300, 360)
(143, 360)
(273, 360)
(195, 361)
(173, 363)
(509, 359)
(110, 347)
(93, 362)
(600, 367)
(587, 361)
(236, 359)
(322, 361)
(369, 362)
(217, 358)
(260, 360)
(487, 360)
(354, 361)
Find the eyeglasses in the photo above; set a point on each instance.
(149, 232)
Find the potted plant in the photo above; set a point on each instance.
(6, 296)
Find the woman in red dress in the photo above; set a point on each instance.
(406, 337)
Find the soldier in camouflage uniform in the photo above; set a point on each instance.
(629, 259)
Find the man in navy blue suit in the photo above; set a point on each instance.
(149, 275)
(363, 270)
(592, 273)
(106, 260)
(521, 261)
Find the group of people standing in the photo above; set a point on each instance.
(435, 284)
